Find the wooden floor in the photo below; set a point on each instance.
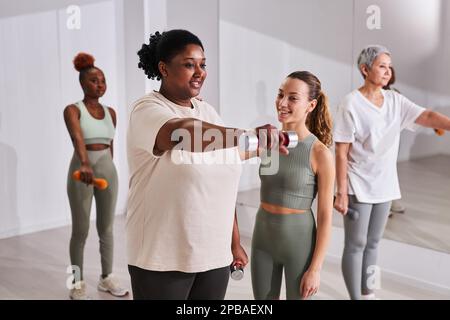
(333, 287)
(34, 266)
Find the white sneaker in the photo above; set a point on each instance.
(78, 292)
(111, 285)
(397, 207)
(370, 296)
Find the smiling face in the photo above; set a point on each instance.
(292, 103)
(185, 72)
(94, 83)
(380, 73)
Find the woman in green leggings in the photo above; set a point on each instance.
(91, 127)
(285, 235)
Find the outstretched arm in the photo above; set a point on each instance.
(186, 130)
(433, 119)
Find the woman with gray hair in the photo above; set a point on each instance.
(367, 133)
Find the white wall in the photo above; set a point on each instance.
(155, 19)
(28, 94)
(134, 37)
(34, 143)
(439, 78)
(37, 81)
(261, 42)
(414, 31)
(250, 47)
(23, 7)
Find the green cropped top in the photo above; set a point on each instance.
(95, 130)
(294, 184)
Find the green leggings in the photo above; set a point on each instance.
(80, 199)
(281, 241)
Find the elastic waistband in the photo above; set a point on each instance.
(285, 199)
(284, 218)
(95, 155)
(99, 152)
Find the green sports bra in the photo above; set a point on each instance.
(95, 130)
(294, 184)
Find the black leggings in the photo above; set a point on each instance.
(176, 285)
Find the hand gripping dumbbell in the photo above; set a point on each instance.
(236, 271)
(249, 141)
(97, 182)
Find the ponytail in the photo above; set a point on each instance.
(319, 120)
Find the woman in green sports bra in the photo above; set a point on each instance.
(91, 127)
(285, 237)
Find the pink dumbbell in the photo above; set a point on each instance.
(249, 140)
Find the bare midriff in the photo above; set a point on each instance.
(273, 208)
(97, 147)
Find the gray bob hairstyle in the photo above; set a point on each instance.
(369, 54)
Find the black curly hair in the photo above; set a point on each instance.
(163, 47)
